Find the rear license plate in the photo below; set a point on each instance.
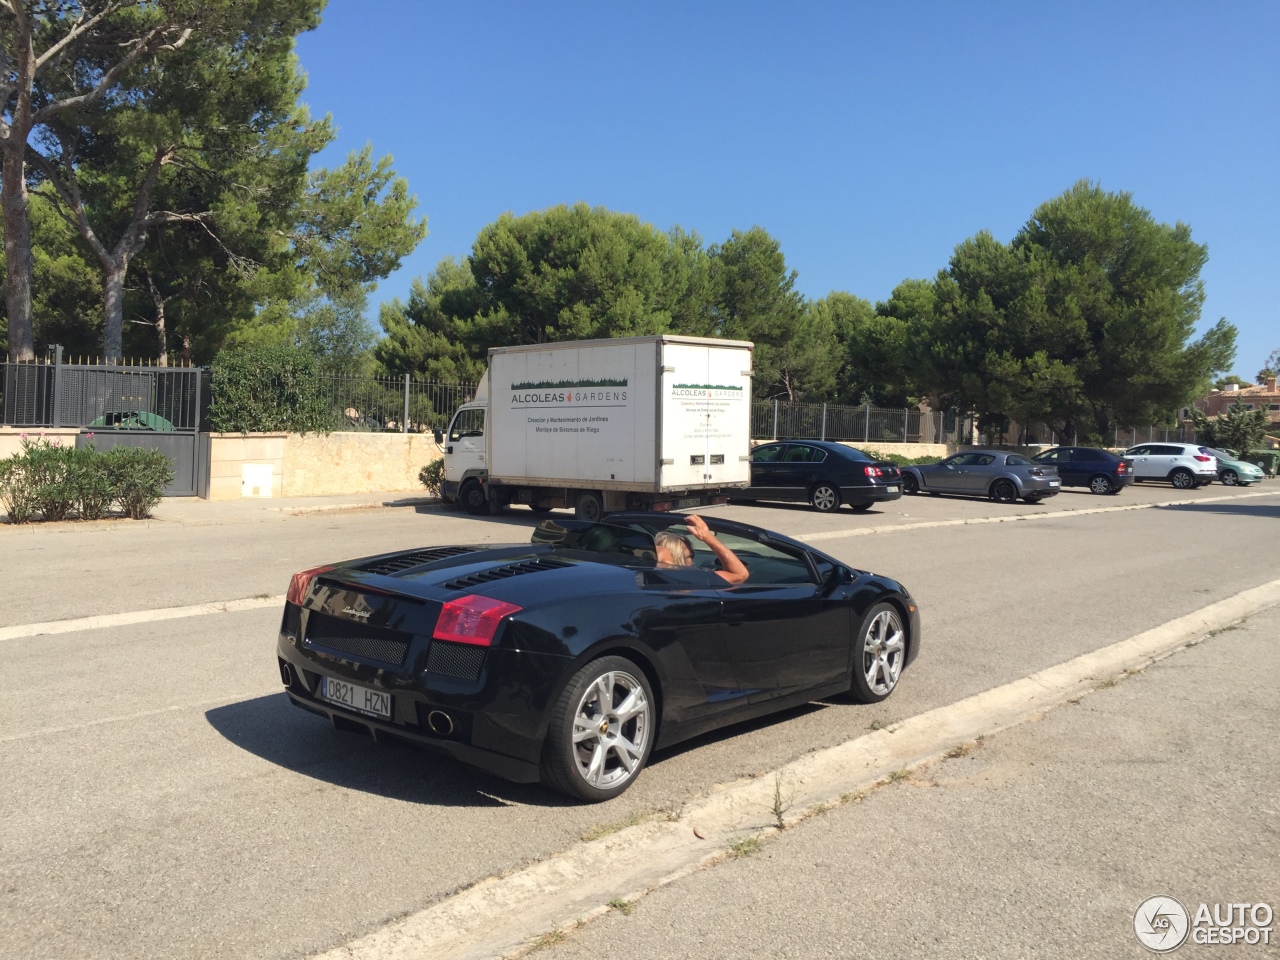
(1055, 483)
(361, 699)
(688, 502)
(892, 488)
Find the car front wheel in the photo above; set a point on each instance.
(824, 498)
(1101, 484)
(1183, 480)
(879, 655)
(601, 732)
(1229, 477)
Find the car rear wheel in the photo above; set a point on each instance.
(588, 506)
(1101, 484)
(910, 484)
(1003, 491)
(824, 498)
(602, 729)
(473, 499)
(1183, 479)
(1229, 477)
(879, 655)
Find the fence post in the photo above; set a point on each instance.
(824, 422)
(906, 423)
(404, 422)
(866, 425)
(57, 386)
(775, 418)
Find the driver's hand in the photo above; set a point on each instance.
(698, 527)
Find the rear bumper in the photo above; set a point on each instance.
(870, 493)
(1041, 487)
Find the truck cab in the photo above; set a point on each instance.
(464, 457)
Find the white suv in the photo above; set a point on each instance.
(1185, 465)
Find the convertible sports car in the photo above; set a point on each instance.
(570, 658)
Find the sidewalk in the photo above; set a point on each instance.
(195, 512)
(1041, 842)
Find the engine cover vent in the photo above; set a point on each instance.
(503, 572)
(406, 561)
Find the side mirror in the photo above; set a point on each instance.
(439, 435)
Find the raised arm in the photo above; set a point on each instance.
(732, 569)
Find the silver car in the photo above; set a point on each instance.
(1185, 465)
(997, 474)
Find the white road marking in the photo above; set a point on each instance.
(500, 916)
(102, 721)
(137, 616)
(1056, 515)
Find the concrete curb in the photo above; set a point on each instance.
(501, 916)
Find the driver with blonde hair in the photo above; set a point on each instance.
(675, 550)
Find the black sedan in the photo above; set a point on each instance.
(1100, 470)
(820, 473)
(570, 658)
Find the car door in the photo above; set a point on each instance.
(980, 472)
(682, 617)
(785, 635)
(1143, 467)
(795, 471)
(949, 475)
(764, 471)
(1164, 458)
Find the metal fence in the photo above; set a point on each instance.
(783, 420)
(50, 393)
(1120, 437)
(400, 404)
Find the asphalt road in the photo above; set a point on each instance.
(162, 798)
(1041, 843)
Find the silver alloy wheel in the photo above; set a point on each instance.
(1230, 478)
(883, 649)
(1100, 484)
(1183, 480)
(825, 498)
(611, 729)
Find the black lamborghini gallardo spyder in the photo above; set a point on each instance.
(570, 658)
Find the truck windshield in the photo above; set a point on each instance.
(596, 538)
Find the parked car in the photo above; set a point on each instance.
(1100, 470)
(820, 473)
(997, 474)
(569, 658)
(1233, 471)
(1185, 465)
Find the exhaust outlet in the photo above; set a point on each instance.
(286, 674)
(441, 723)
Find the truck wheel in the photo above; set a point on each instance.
(472, 498)
(588, 506)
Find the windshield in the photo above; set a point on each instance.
(1221, 455)
(596, 538)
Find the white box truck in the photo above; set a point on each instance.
(660, 422)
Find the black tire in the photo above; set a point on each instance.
(875, 645)
(824, 498)
(1183, 479)
(473, 498)
(860, 507)
(910, 485)
(1003, 491)
(589, 506)
(1230, 478)
(571, 767)
(1101, 484)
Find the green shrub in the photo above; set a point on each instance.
(18, 489)
(138, 478)
(261, 388)
(432, 476)
(49, 463)
(900, 460)
(91, 483)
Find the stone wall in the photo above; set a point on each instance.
(312, 465)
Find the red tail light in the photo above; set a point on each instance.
(873, 471)
(472, 619)
(301, 583)
(1203, 459)
(1120, 467)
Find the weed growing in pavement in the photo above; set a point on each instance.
(1107, 684)
(899, 775)
(961, 749)
(744, 847)
(643, 815)
(782, 802)
(625, 907)
(855, 796)
(552, 939)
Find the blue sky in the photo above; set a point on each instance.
(869, 139)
